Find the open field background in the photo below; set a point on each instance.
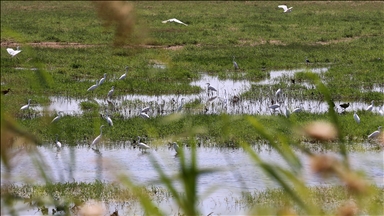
(67, 46)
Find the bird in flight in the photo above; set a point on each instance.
(285, 8)
(174, 20)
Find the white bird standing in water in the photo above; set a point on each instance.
(174, 20)
(356, 117)
(278, 92)
(125, 74)
(181, 105)
(102, 80)
(93, 87)
(375, 133)
(58, 116)
(176, 147)
(98, 138)
(285, 8)
(110, 93)
(13, 52)
(142, 146)
(26, 106)
(57, 142)
(370, 107)
(235, 65)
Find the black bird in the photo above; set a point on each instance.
(4, 92)
(344, 105)
(307, 61)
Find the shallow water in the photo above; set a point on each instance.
(130, 105)
(236, 171)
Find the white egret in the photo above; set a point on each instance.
(375, 133)
(285, 8)
(125, 74)
(26, 106)
(144, 115)
(102, 80)
(142, 146)
(176, 147)
(98, 138)
(145, 109)
(110, 93)
(235, 65)
(93, 87)
(174, 20)
(278, 92)
(57, 142)
(370, 107)
(109, 120)
(356, 117)
(296, 110)
(13, 52)
(59, 115)
(181, 105)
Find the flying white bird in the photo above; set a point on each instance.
(13, 52)
(93, 87)
(375, 133)
(125, 74)
(285, 8)
(26, 106)
(356, 117)
(370, 107)
(174, 20)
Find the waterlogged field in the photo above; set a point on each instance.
(259, 151)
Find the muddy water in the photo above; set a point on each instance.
(236, 172)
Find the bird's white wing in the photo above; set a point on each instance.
(283, 7)
(10, 51)
(174, 20)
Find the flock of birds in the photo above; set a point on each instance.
(210, 89)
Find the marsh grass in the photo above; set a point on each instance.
(350, 45)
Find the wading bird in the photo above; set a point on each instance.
(285, 8)
(4, 92)
(110, 93)
(307, 61)
(125, 74)
(176, 147)
(102, 80)
(26, 106)
(145, 109)
(57, 142)
(57, 117)
(210, 88)
(98, 138)
(356, 117)
(142, 146)
(344, 105)
(13, 52)
(109, 120)
(375, 133)
(174, 20)
(93, 87)
(144, 115)
(235, 65)
(370, 107)
(278, 92)
(181, 105)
